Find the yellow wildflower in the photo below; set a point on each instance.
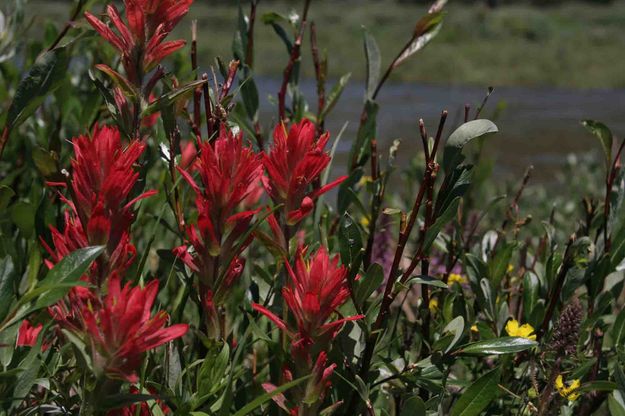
(474, 328)
(510, 268)
(569, 392)
(515, 330)
(365, 180)
(433, 305)
(456, 278)
(364, 221)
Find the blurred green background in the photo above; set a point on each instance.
(546, 42)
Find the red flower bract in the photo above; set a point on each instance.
(229, 171)
(295, 162)
(316, 289)
(120, 327)
(27, 334)
(103, 176)
(142, 37)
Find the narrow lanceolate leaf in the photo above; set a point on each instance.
(8, 280)
(504, 345)
(372, 54)
(260, 400)
(65, 275)
(478, 395)
(422, 280)
(603, 133)
(335, 94)
(456, 328)
(463, 135)
(447, 216)
(618, 330)
(44, 77)
(172, 96)
(425, 30)
(119, 80)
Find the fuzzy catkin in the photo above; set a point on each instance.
(566, 333)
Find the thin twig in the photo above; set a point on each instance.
(68, 25)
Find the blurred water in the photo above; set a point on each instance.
(539, 126)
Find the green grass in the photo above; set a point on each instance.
(573, 45)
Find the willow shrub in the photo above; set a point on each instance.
(167, 250)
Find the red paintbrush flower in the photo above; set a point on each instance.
(228, 171)
(100, 212)
(120, 327)
(316, 289)
(295, 162)
(141, 39)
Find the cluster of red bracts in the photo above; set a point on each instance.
(115, 323)
(141, 41)
(115, 320)
(231, 174)
(296, 162)
(100, 210)
(317, 288)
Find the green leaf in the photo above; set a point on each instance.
(414, 406)
(334, 95)
(361, 148)
(372, 55)
(172, 96)
(68, 270)
(497, 346)
(350, 242)
(119, 80)
(456, 328)
(63, 276)
(23, 215)
(247, 409)
(425, 30)
(44, 161)
(618, 329)
(498, 266)
(213, 370)
(6, 194)
(616, 404)
(424, 280)
(598, 385)
(463, 135)
(276, 20)
(478, 395)
(249, 94)
(8, 282)
(368, 283)
(603, 133)
(446, 217)
(49, 70)
(31, 365)
(531, 294)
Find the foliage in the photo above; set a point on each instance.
(164, 248)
